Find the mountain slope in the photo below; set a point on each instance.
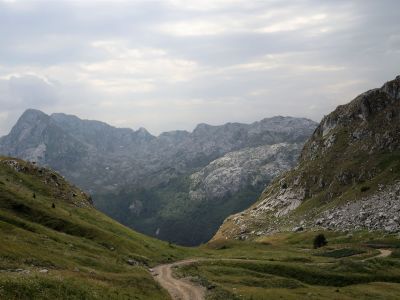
(55, 245)
(144, 181)
(72, 251)
(190, 209)
(353, 154)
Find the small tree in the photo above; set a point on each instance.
(320, 241)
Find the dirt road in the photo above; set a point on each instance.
(179, 289)
(183, 289)
(384, 253)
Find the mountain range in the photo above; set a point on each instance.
(347, 177)
(178, 186)
(344, 190)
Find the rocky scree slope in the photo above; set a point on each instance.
(346, 178)
(145, 181)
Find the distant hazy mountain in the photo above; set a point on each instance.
(165, 186)
(348, 176)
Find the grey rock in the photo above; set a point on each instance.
(298, 229)
(375, 212)
(236, 170)
(132, 262)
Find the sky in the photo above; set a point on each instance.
(171, 64)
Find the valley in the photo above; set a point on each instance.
(326, 229)
(178, 186)
(199, 150)
(54, 244)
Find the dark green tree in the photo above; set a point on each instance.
(320, 241)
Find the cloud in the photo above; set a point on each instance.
(26, 89)
(170, 64)
(294, 23)
(136, 69)
(194, 28)
(208, 5)
(21, 91)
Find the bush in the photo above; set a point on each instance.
(320, 241)
(364, 188)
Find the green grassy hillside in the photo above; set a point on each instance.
(286, 266)
(69, 250)
(55, 245)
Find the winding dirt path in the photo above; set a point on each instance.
(183, 289)
(179, 289)
(384, 253)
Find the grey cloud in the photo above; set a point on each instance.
(22, 92)
(311, 56)
(27, 90)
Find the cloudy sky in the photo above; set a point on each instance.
(171, 64)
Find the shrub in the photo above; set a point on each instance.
(364, 188)
(320, 241)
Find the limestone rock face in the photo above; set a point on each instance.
(337, 183)
(236, 170)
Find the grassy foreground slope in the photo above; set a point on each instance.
(69, 250)
(286, 266)
(72, 251)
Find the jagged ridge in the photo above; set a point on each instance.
(143, 180)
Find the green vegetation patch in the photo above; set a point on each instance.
(339, 253)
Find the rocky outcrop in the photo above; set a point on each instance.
(237, 170)
(352, 153)
(56, 185)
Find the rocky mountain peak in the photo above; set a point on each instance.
(359, 116)
(353, 154)
(32, 113)
(143, 133)
(31, 117)
(29, 128)
(201, 128)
